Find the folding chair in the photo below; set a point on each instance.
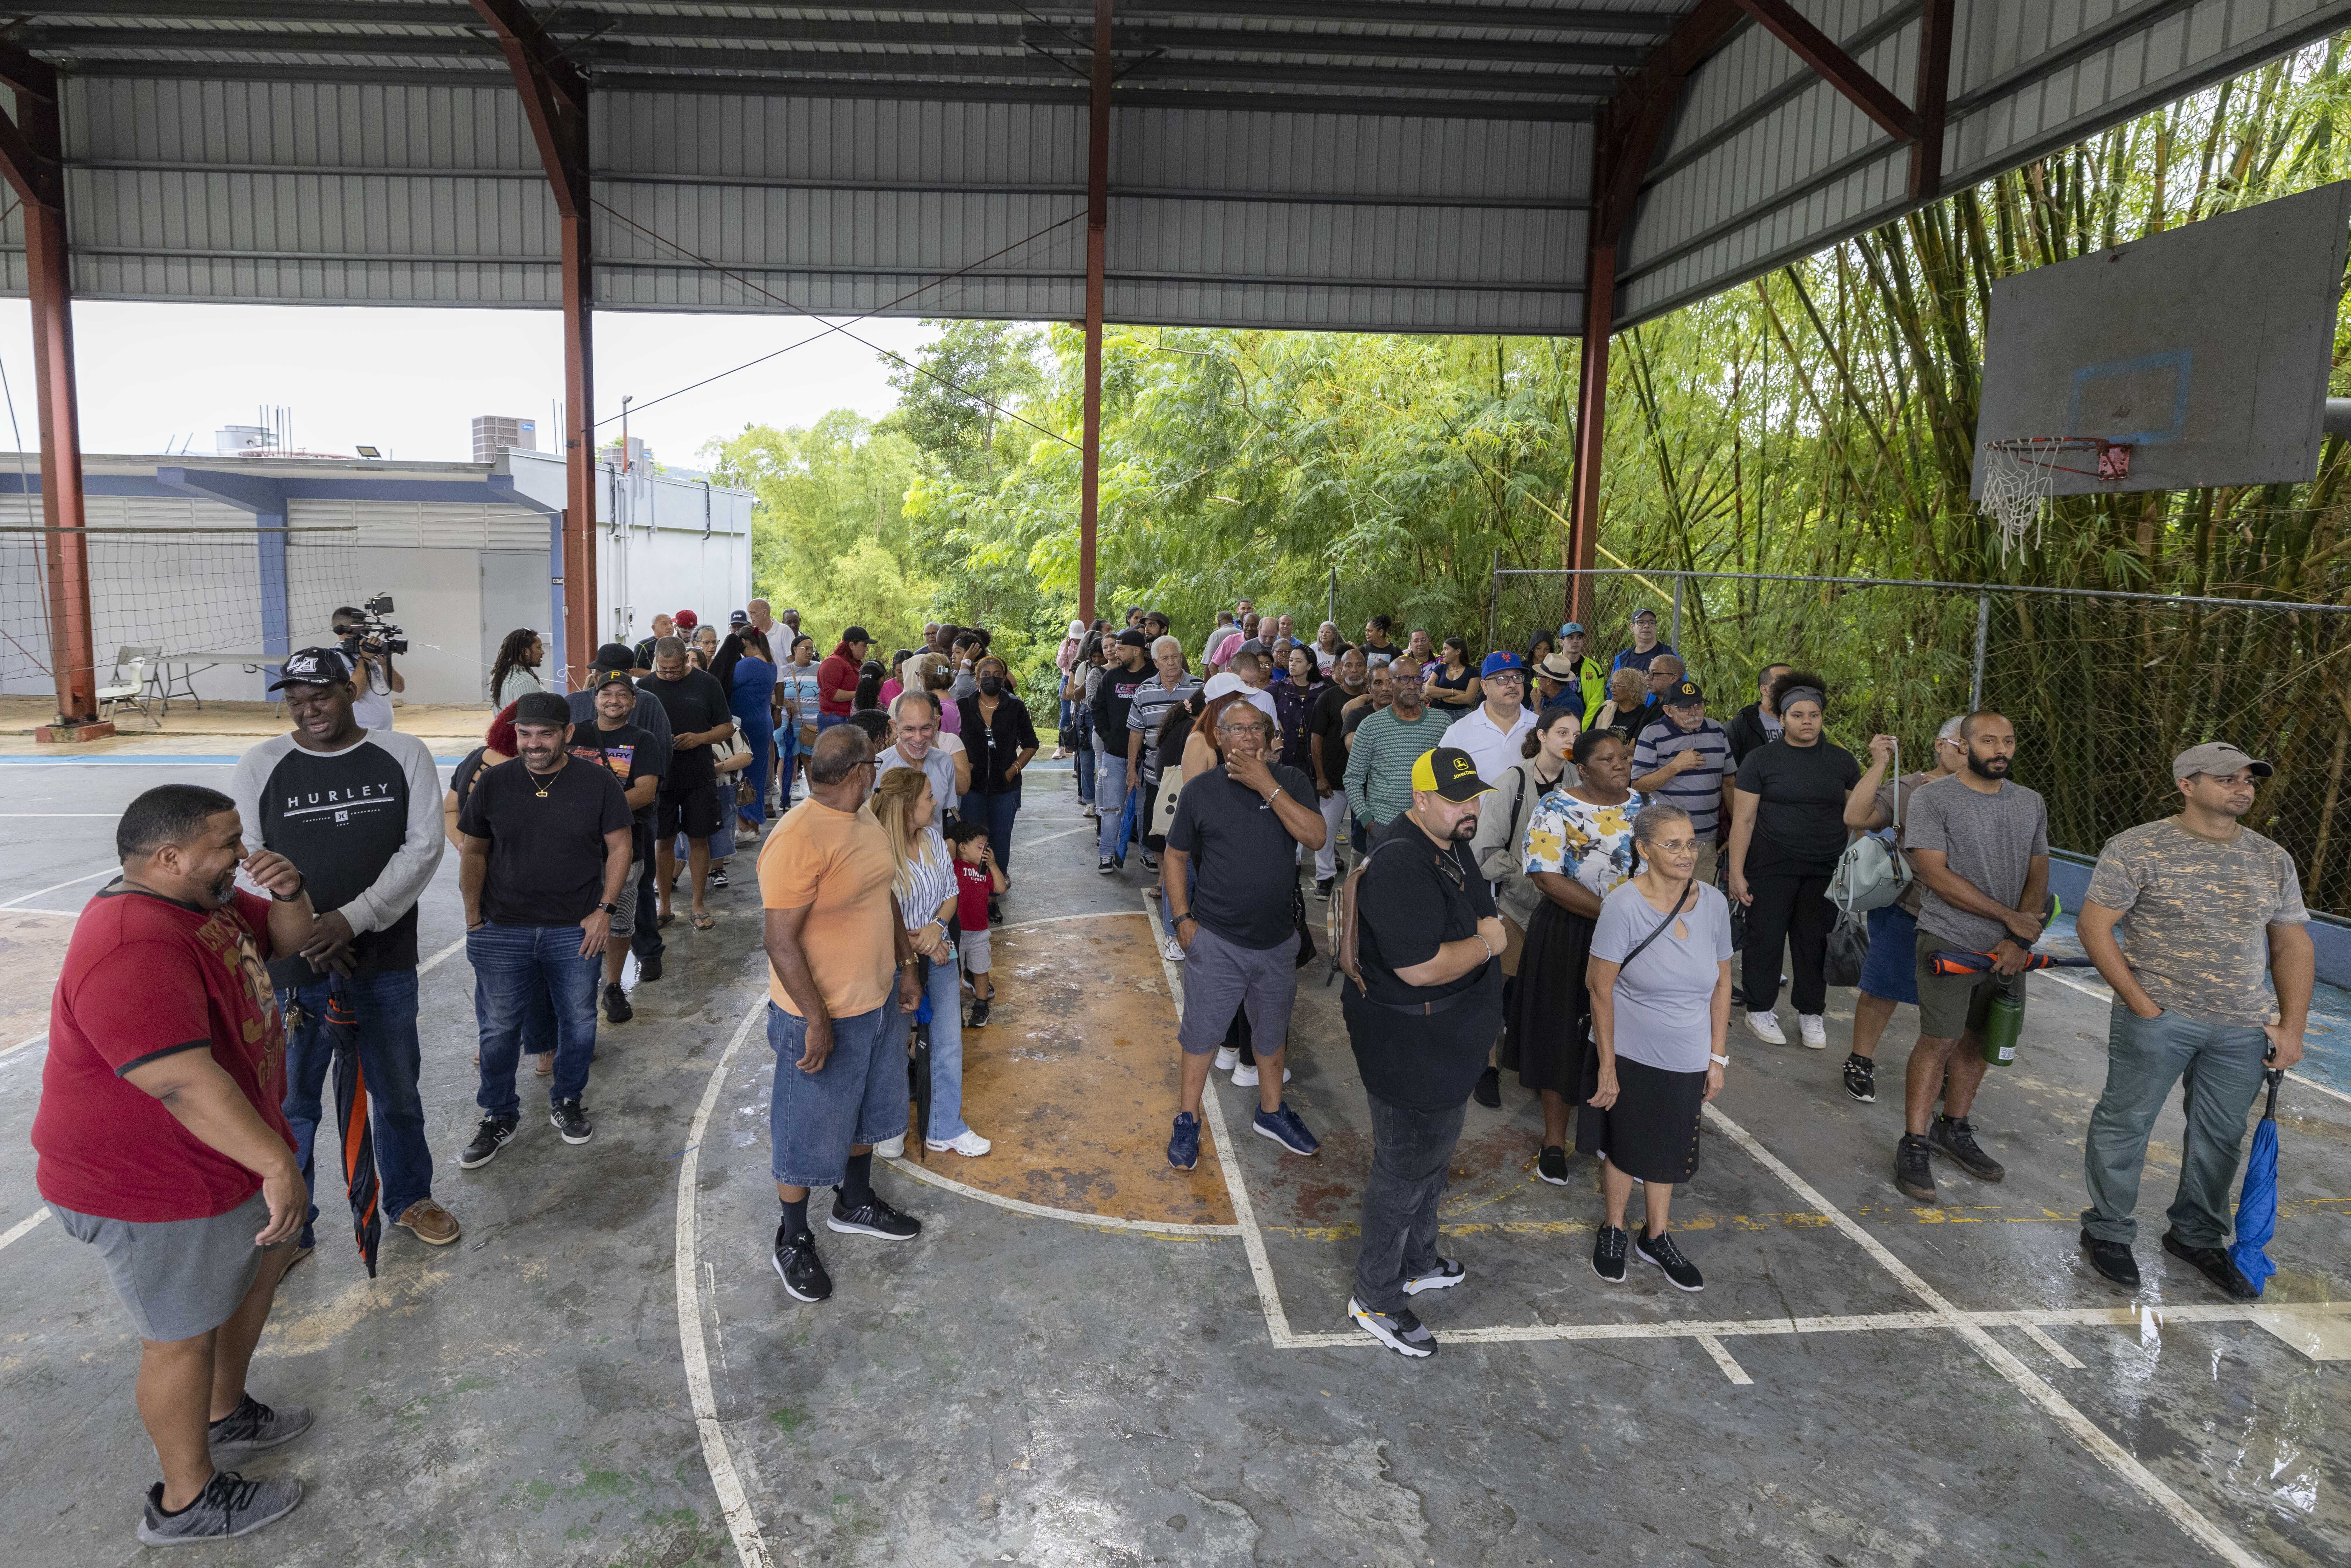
(130, 683)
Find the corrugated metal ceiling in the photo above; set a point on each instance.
(1407, 165)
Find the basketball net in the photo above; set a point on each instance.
(2019, 475)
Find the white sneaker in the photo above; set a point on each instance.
(895, 1149)
(1814, 1029)
(967, 1143)
(1765, 1027)
(1227, 1059)
(1245, 1075)
(1172, 949)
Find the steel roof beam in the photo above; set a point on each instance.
(1835, 66)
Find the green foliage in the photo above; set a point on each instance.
(951, 400)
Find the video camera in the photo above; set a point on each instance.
(380, 636)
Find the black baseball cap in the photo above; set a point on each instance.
(1134, 639)
(1449, 772)
(615, 656)
(542, 707)
(312, 667)
(600, 677)
(1681, 694)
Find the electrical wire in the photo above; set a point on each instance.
(842, 327)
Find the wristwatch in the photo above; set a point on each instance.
(610, 908)
(300, 888)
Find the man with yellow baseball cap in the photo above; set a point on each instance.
(1422, 1005)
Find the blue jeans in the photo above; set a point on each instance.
(389, 1059)
(825, 721)
(788, 755)
(1083, 763)
(521, 967)
(1110, 800)
(946, 994)
(995, 812)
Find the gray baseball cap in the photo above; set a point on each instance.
(2218, 759)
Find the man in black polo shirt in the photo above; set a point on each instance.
(688, 802)
(1226, 884)
(1425, 1002)
(614, 743)
(644, 934)
(547, 847)
(359, 813)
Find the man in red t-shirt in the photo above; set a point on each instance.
(162, 1142)
(836, 678)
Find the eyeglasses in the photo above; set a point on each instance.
(1675, 846)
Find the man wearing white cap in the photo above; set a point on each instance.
(2216, 940)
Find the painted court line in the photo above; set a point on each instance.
(2027, 1382)
(69, 881)
(1730, 1369)
(23, 1227)
(2101, 992)
(441, 957)
(2056, 1351)
(750, 1545)
(1020, 1206)
(24, 1045)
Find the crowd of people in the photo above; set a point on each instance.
(1559, 870)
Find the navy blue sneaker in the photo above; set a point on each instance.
(1184, 1144)
(1284, 1128)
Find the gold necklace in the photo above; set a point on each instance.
(541, 781)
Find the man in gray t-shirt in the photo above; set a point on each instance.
(1979, 845)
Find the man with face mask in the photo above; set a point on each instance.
(1424, 1005)
(547, 843)
(1979, 842)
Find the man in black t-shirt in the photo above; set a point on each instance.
(688, 802)
(1226, 881)
(1428, 1003)
(613, 742)
(546, 844)
(644, 936)
(1122, 677)
(1326, 741)
(358, 813)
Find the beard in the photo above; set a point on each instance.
(1995, 768)
(1465, 829)
(223, 888)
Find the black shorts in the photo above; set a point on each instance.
(692, 811)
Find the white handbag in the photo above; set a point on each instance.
(1163, 810)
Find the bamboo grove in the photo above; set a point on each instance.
(1817, 422)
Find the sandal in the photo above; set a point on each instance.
(546, 1068)
(704, 922)
(666, 920)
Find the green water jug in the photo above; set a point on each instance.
(2003, 1022)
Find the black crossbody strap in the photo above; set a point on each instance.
(1672, 914)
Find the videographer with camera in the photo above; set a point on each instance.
(369, 642)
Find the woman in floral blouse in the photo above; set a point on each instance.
(1579, 849)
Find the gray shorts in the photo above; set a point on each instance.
(974, 951)
(177, 1278)
(1221, 977)
(625, 923)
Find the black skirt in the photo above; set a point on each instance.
(1547, 1037)
(1652, 1130)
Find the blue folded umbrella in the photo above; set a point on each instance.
(1126, 819)
(2257, 1201)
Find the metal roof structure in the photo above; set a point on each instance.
(1415, 165)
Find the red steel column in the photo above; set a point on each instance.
(1097, 240)
(32, 157)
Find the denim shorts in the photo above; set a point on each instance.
(858, 1096)
(1890, 971)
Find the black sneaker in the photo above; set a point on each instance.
(616, 1005)
(1660, 1249)
(995, 912)
(1488, 1091)
(1957, 1139)
(649, 969)
(571, 1119)
(2215, 1264)
(874, 1218)
(1400, 1330)
(1551, 1164)
(718, 877)
(253, 1426)
(2113, 1260)
(1150, 861)
(798, 1267)
(1914, 1173)
(494, 1134)
(229, 1506)
(978, 1019)
(1861, 1078)
(1608, 1250)
(1322, 886)
(1107, 864)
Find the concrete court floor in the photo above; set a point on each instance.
(1864, 1381)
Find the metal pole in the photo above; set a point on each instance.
(579, 457)
(1591, 420)
(1983, 637)
(1097, 245)
(1676, 638)
(1493, 597)
(1334, 596)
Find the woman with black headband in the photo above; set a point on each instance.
(1787, 829)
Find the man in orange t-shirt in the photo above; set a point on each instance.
(838, 955)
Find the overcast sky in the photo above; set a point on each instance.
(409, 381)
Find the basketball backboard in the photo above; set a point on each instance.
(2203, 350)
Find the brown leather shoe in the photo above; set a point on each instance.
(430, 1221)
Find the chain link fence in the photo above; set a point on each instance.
(2103, 688)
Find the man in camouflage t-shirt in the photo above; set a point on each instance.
(2214, 916)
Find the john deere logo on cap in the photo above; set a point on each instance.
(1462, 767)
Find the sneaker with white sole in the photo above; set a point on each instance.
(1813, 1029)
(1400, 1330)
(1447, 1273)
(1284, 1127)
(1245, 1075)
(1765, 1027)
(229, 1506)
(892, 1148)
(1171, 949)
(1679, 1271)
(1227, 1059)
(253, 1426)
(968, 1144)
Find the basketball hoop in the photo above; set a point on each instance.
(2019, 474)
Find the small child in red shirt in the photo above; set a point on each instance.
(977, 879)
